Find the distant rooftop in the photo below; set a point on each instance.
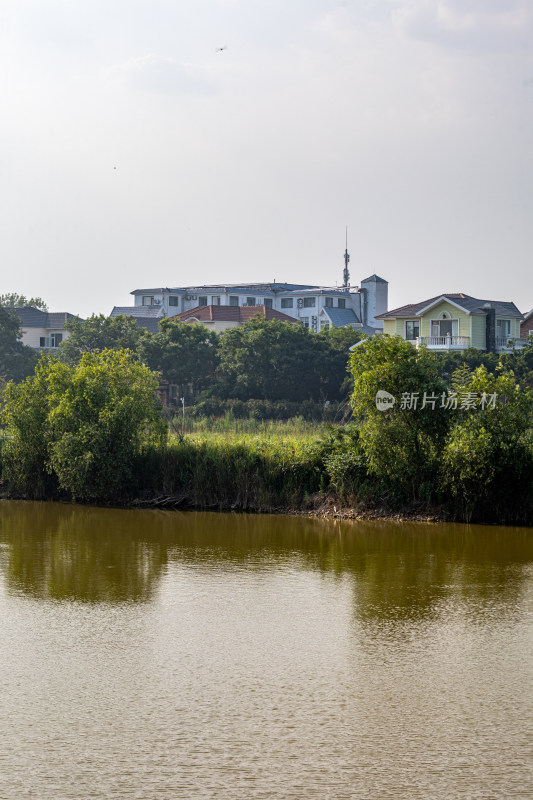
(471, 305)
(146, 317)
(258, 288)
(154, 312)
(340, 317)
(31, 317)
(231, 314)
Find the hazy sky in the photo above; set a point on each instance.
(134, 154)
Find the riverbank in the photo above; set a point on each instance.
(319, 506)
(241, 478)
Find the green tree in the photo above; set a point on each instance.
(336, 379)
(184, 354)
(402, 445)
(271, 360)
(25, 415)
(99, 333)
(14, 300)
(84, 425)
(16, 360)
(487, 461)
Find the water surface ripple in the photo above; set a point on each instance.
(155, 655)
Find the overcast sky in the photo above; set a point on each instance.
(134, 154)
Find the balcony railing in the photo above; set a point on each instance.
(444, 341)
(509, 343)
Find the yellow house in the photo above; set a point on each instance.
(456, 322)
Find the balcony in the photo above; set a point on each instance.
(508, 344)
(444, 342)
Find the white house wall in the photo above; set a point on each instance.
(353, 300)
(32, 336)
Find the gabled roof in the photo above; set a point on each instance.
(471, 305)
(144, 312)
(31, 317)
(340, 317)
(231, 314)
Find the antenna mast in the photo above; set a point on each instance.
(345, 272)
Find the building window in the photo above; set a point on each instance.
(42, 341)
(268, 302)
(341, 302)
(412, 329)
(202, 299)
(148, 300)
(305, 321)
(250, 301)
(329, 302)
(56, 339)
(503, 328)
(215, 300)
(444, 328)
(286, 302)
(233, 300)
(173, 300)
(309, 302)
(324, 326)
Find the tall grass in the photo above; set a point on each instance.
(227, 428)
(252, 475)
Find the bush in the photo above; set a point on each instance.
(80, 427)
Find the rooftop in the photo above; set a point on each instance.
(231, 314)
(472, 305)
(256, 288)
(31, 317)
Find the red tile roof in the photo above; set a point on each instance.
(231, 314)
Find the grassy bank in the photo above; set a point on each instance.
(294, 432)
(250, 475)
(93, 433)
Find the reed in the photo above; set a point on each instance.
(240, 475)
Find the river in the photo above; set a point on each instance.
(154, 655)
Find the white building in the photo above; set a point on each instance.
(316, 307)
(42, 330)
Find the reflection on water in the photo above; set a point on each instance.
(158, 654)
(109, 555)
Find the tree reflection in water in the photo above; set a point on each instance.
(397, 570)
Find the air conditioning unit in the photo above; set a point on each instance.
(157, 302)
(189, 297)
(300, 302)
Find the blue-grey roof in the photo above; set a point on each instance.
(144, 312)
(341, 316)
(31, 317)
(146, 317)
(149, 324)
(370, 331)
(472, 305)
(255, 288)
(374, 279)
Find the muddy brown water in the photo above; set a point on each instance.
(154, 654)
